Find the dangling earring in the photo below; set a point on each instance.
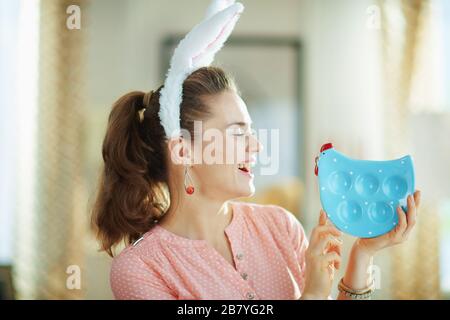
(189, 188)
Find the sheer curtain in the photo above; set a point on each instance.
(414, 84)
(50, 204)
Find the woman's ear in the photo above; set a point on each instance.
(180, 151)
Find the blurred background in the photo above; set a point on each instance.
(371, 76)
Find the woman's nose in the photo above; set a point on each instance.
(254, 145)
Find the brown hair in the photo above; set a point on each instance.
(132, 191)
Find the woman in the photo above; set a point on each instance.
(187, 237)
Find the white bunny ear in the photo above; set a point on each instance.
(217, 6)
(196, 50)
(218, 29)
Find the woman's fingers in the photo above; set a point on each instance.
(322, 218)
(411, 216)
(326, 243)
(335, 247)
(321, 229)
(402, 223)
(417, 196)
(397, 233)
(332, 258)
(406, 220)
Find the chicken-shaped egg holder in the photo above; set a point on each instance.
(361, 196)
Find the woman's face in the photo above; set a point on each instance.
(227, 151)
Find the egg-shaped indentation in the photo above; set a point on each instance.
(339, 182)
(380, 212)
(395, 187)
(366, 185)
(349, 211)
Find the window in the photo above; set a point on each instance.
(19, 27)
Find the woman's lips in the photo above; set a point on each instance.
(246, 172)
(244, 169)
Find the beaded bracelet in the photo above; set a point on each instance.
(356, 294)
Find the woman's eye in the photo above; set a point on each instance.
(237, 132)
(241, 132)
(244, 133)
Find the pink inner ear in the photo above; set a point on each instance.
(216, 39)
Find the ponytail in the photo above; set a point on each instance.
(126, 204)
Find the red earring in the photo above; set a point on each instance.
(189, 188)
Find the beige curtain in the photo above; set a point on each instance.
(50, 239)
(415, 264)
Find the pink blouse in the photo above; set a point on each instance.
(268, 245)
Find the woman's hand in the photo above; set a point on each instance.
(397, 235)
(323, 257)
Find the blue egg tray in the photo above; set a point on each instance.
(361, 196)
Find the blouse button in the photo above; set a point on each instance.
(250, 296)
(239, 256)
(244, 276)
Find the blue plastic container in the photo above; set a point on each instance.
(361, 196)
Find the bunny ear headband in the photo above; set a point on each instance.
(196, 50)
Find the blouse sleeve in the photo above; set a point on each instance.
(294, 234)
(132, 279)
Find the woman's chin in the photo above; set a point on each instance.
(242, 187)
(246, 191)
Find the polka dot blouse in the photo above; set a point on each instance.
(268, 245)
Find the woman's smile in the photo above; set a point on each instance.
(246, 169)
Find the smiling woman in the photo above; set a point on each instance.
(207, 183)
(205, 245)
(201, 245)
(186, 235)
